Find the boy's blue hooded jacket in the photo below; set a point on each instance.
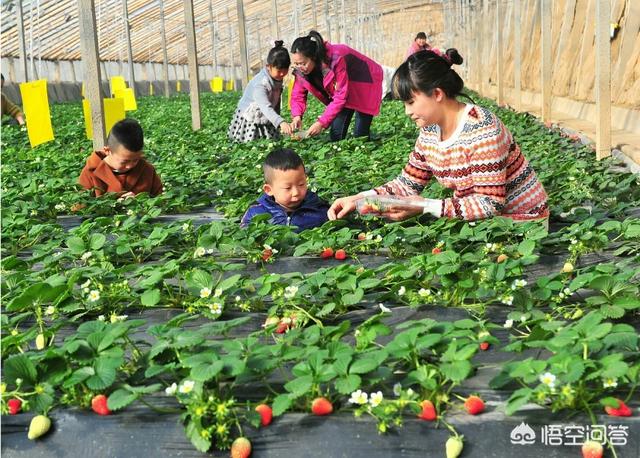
(312, 212)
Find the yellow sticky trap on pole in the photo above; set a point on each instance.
(35, 104)
(230, 85)
(129, 98)
(178, 86)
(150, 88)
(217, 84)
(113, 112)
(290, 90)
(117, 83)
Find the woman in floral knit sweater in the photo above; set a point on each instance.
(464, 146)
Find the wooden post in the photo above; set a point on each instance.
(499, 57)
(486, 47)
(231, 47)
(603, 79)
(344, 24)
(517, 70)
(125, 14)
(242, 33)
(212, 28)
(91, 60)
(165, 58)
(327, 19)
(259, 39)
(192, 56)
(275, 29)
(296, 19)
(545, 14)
(315, 14)
(21, 42)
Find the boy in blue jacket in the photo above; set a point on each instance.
(285, 196)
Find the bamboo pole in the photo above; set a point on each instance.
(242, 33)
(192, 57)
(603, 79)
(21, 42)
(127, 32)
(165, 58)
(546, 75)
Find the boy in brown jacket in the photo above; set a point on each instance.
(11, 109)
(120, 166)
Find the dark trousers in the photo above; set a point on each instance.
(340, 125)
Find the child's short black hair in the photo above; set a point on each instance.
(127, 133)
(421, 35)
(280, 159)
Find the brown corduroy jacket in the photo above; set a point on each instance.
(97, 175)
(10, 108)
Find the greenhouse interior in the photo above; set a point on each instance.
(441, 259)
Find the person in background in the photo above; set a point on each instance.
(120, 167)
(419, 44)
(11, 109)
(463, 146)
(258, 112)
(285, 196)
(343, 79)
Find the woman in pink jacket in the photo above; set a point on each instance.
(346, 81)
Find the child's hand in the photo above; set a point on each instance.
(315, 129)
(296, 123)
(126, 195)
(286, 128)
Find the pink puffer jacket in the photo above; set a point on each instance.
(352, 80)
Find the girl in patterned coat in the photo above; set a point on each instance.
(258, 112)
(463, 146)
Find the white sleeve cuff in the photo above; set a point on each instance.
(433, 207)
(368, 193)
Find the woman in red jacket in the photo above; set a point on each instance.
(346, 81)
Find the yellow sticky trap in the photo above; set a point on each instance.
(289, 91)
(230, 85)
(129, 99)
(35, 104)
(178, 86)
(113, 112)
(150, 88)
(117, 83)
(217, 84)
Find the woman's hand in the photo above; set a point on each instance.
(315, 129)
(286, 128)
(126, 195)
(296, 123)
(342, 207)
(400, 213)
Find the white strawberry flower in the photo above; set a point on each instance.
(171, 390)
(397, 389)
(216, 308)
(50, 310)
(401, 291)
(101, 318)
(200, 251)
(205, 292)
(384, 309)
(376, 398)
(217, 292)
(358, 397)
(290, 292)
(187, 386)
(422, 292)
(610, 383)
(548, 379)
(507, 324)
(94, 295)
(86, 255)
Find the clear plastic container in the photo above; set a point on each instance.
(376, 205)
(301, 135)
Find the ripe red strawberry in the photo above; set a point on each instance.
(622, 411)
(266, 254)
(592, 449)
(436, 250)
(326, 253)
(241, 448)
(99, 405)
(428, 411)
(474, 405)
(341, 255)
(14, 406)
(266, 414)
(282, 327)
(321, 406)
(484, 346)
